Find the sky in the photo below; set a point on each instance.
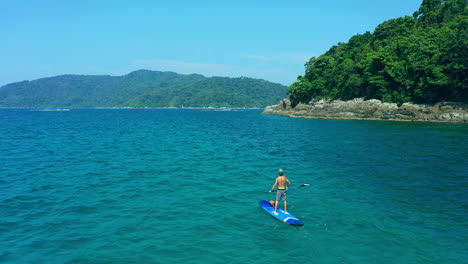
(270, 40)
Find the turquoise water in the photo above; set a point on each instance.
(182, 186)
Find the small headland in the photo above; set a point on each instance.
(372, 109)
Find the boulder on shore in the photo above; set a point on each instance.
(372, 109)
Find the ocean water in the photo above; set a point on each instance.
(183, 186)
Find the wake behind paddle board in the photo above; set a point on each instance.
(280, 215)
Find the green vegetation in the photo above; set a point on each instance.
(142, 88)
(420, 59)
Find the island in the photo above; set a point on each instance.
(141, 89)
(409, 68)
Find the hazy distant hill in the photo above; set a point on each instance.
(141, 88)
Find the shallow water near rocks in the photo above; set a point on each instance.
(182, 186)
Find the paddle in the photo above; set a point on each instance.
(297, 187)
(303, 185)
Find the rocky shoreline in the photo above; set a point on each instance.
(373, 110)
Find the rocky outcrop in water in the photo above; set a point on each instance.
(374, 110)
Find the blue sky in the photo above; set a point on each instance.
(261, 39)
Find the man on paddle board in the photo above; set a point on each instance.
(281, 181)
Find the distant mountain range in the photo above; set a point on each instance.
(142, 88)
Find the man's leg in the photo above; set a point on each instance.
(276, 206)
(285, 206)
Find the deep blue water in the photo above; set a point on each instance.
(182, 186)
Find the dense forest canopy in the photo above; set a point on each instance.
(142, 88)
(421, 58)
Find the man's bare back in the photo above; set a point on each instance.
(281, 181)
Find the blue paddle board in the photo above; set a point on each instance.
(280, 215)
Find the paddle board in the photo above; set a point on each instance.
(280, 215)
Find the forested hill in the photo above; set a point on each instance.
(142, 88)
(421, 59)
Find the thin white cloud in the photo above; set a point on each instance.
(256, 57)
(281, 69)
(184, 67)
(270, 71)
(289, 58)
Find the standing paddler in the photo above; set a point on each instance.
(281, 181)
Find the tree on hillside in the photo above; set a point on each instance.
(420, 58)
